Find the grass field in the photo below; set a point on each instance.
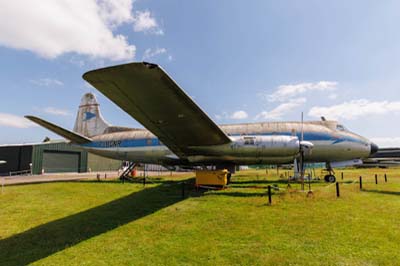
(109, 223)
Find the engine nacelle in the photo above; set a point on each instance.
(250, 149)
(266, 146)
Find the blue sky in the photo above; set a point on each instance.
(242, 61)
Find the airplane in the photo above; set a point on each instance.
(384, 158)
(179, 133)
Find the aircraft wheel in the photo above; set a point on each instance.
(330, 178)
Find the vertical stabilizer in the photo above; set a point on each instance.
(89, 121)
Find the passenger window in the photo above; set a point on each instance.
(248, 141)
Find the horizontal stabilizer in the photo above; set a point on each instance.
(73, 137)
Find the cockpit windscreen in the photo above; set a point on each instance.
(341, 127)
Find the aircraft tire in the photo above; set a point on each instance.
(330, 178)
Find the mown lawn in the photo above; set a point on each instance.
(109, 223)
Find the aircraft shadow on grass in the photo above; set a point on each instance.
(281, 181)
(382, 192)
(240, 194)
(44, 240)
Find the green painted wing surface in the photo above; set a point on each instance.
(149, 95)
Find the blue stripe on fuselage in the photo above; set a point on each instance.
(131, 143)
(126, 143)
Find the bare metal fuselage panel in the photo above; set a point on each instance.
(253, 143)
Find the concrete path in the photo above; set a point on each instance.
(31, 179)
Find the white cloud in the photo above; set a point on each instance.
(239, 115)
(56, 111)
(51, 28)
(355, 109)
(149, 53)
(285, 92)
(386, 141)
(282, 109)
(332, 96)
(77, 61)
(47, 82)
(224, 115)
(10, 120)
(143, 21)
(115, 12)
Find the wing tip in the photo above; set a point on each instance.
(31, 117)
(148, 65)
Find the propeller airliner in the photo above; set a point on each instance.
(179, 133)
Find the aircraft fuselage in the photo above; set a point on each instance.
(251, 143)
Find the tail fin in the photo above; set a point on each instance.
(89, 121)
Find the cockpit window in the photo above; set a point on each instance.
(341, 128)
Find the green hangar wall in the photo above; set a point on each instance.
(99, 163)
(52, 157)
(58, 157)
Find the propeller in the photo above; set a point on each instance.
(304, 149)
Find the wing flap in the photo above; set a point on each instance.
(149, 95)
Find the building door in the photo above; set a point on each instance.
(61, 161)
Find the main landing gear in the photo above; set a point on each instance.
(330, 177)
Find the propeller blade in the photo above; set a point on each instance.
(302, 127)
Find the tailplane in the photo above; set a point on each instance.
(89, 121)
(72, 136)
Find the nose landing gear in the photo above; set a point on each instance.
(330, 178)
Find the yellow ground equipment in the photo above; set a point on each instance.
(212, 178)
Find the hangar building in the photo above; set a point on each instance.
(51, 157)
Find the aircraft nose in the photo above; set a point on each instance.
(374, 148)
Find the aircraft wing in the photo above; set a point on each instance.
(149, 95)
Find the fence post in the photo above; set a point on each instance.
(337, 190)
(360, 182)
(144, 181)
(342, 175)
(269, 195)
(385, 178)
(376, 179)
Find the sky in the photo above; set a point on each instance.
(241, 61)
